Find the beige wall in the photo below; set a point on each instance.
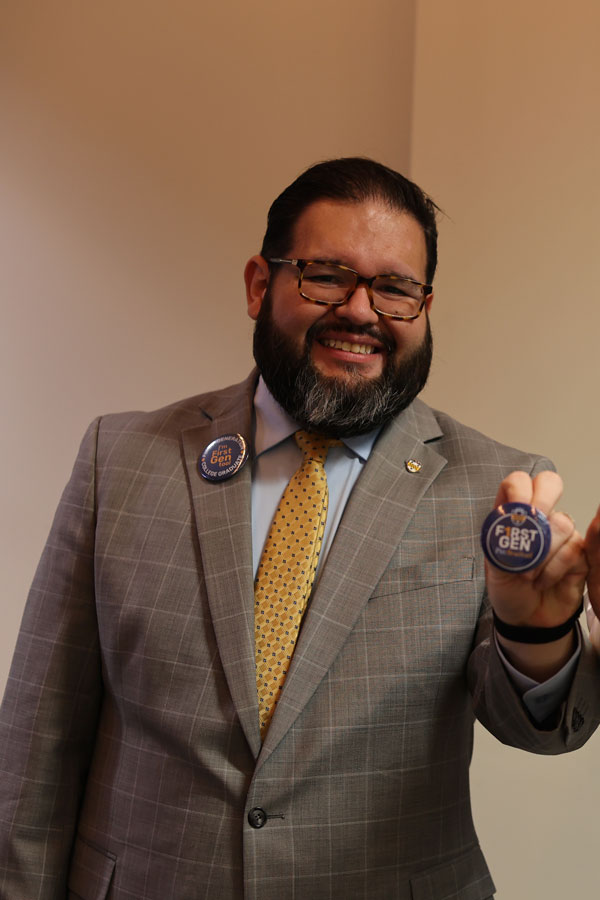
(142, 143)
(506, 136)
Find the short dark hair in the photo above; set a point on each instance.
(352, 179)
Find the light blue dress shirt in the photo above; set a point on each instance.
(277, 457)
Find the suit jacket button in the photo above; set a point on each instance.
(257, 817)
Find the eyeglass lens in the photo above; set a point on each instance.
(332, 284)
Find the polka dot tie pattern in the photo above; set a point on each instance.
(286, 571)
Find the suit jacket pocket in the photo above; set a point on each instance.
(464, 878)
(91, 871)
(400, 580)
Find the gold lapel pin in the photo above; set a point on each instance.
(413, 466)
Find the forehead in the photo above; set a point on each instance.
(369, 236)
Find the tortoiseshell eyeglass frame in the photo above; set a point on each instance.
(301, 265)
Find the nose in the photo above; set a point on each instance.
(357, 307)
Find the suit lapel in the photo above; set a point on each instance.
(382, 504)
(224, 525)
(380, 508)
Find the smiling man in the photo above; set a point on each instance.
(262, 626)
(354, 369)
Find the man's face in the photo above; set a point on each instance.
(341, 369)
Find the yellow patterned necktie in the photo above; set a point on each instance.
(286, 571)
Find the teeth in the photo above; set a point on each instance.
(366, 349)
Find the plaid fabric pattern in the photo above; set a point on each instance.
(130, 751)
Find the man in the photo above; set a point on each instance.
(183, 722)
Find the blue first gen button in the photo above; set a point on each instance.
(223, 457)
(516, 537)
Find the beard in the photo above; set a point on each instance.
(331, 406)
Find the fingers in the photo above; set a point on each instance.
(544, 491)
(566, 555)
(516, 488)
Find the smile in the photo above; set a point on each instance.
(366, 349)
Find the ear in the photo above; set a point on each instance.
(256, 276)
(428, 302)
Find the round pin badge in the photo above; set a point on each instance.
(516, 537)
(223, 457)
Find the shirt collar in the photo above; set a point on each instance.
(273, 425)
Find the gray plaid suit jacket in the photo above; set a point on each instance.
(130, 756)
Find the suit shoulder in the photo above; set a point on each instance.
(461, 443)
(169, 421)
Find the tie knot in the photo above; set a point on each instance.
(315, 446)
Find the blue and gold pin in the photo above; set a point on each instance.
(516, 537)
(223, 458)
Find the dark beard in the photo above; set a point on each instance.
(331, 406)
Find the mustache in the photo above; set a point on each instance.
(343, 327)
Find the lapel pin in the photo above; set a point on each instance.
(413, 466)
(223, 457)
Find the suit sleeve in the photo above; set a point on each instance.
(500, 709)
(50, 709)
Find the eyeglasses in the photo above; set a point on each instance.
(332, 284)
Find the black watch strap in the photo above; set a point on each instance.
(529, 634)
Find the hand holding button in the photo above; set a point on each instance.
(549, 593)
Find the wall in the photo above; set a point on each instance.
(142, 144)
(506, 137)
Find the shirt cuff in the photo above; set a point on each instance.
(541, 699)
